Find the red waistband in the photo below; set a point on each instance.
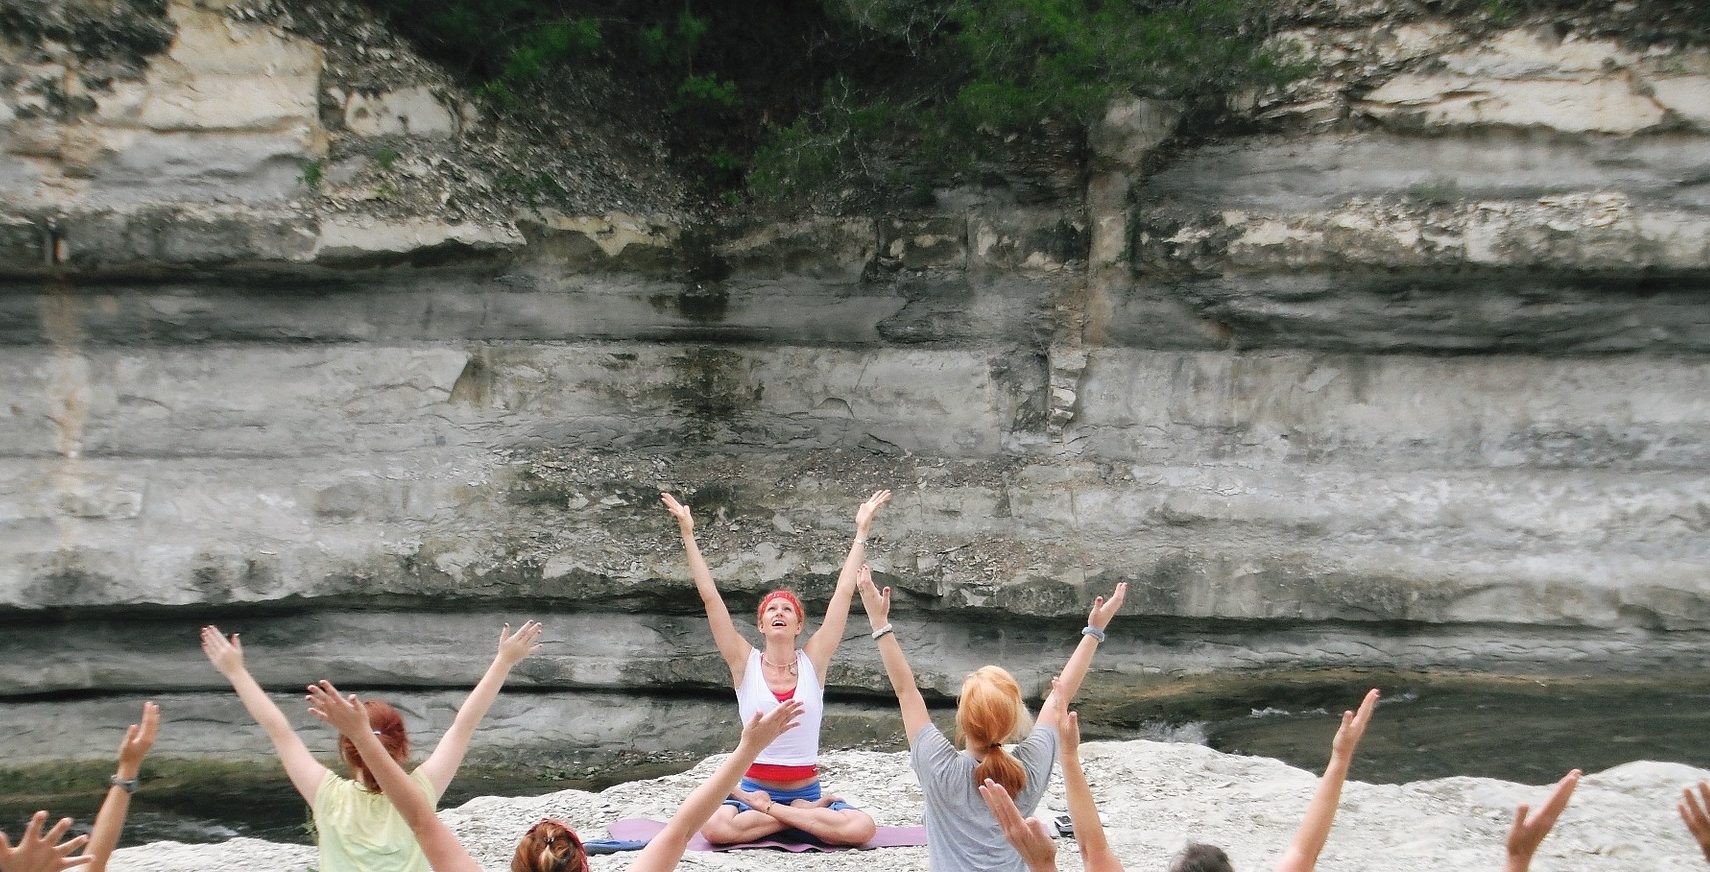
(781, 772)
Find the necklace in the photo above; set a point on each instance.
(789, 666)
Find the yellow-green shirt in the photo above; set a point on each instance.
(361, 831)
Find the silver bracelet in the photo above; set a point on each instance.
(880, 632)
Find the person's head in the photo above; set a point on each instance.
(780, 612)
(1200, 857)
(550, 846)
(389, 726)
(989, 712)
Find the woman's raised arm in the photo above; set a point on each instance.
(441, 766)
(731, 646)
(1068, 682)
(664, 850)
(349, 716)
(301, 767)
(878, 606)
(1096, 855)
(825, 640)
(1302, 853)
(110, 820)
(1530, 827)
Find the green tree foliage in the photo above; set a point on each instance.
(787, 95)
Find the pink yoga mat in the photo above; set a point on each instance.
(886, 837)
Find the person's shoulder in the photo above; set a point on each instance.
(1042, 740)
(420, 777)
(930, 740)
(334, 788)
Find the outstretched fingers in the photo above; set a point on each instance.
(1695, 812)
(1354, 725)
(1559, 798)
(344, 713)
(1105, 608)
(1027, 836)
(36, 850)
(877, 602)
(764, 728)
(1530, 827)
(678, 510)
(525, 641)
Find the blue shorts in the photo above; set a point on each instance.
(811, 793)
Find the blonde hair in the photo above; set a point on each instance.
(989, 711)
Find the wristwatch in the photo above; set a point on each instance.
(129, 784)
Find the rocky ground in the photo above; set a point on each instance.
(1156, 796)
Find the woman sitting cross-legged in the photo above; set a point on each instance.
(564, 853)
(356, 829)
(961, 832)
(782, 789)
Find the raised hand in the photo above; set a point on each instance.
(139, 738)
(864, 515)
(1530, 827)
(344, 713)
(762, 729)
(226, 654)
(39, 852)
(1696, 814)
(685, 520)
(1068, 722)
(1026, 834)
(1105, 609)
(876, 602)
(1353, 728)
(513, 647)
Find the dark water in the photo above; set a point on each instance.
(1531, 735)
(1516, 731)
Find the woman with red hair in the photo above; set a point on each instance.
(781, 790)
(557, 849)
(356, 828)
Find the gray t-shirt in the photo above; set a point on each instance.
(961, 834)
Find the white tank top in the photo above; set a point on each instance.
(797, 747)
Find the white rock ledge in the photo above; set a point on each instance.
(1156, 796)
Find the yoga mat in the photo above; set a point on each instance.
(642, 829)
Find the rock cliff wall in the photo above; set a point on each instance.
(1414, 374)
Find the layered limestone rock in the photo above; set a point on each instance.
(1410, 374)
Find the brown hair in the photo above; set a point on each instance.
(988, 712)
(1200, 857)
(550, 846)
(389, 726)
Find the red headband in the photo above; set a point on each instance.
(783, 595)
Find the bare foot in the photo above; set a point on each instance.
(759, 800)
(824, 801)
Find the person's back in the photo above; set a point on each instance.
(359, 830)
(961, 834)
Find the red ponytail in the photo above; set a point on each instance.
(389, 726)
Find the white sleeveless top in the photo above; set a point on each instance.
(796, 747)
